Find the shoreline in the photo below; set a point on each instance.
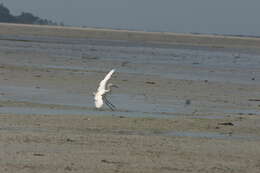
(215, 41)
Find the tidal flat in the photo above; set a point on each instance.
(185, 103)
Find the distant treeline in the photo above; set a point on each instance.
(24, 18)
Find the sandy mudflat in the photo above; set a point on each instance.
(185, 103)
(110, 34)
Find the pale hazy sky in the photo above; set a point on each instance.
(185, 16)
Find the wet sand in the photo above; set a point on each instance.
(182, 105)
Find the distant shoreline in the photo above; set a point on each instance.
(216, 41)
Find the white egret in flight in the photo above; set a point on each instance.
(103, 89)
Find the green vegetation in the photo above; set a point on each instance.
(24, 17)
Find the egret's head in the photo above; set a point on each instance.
(110, 85)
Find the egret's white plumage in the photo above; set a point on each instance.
(102, 90)
(98, 101)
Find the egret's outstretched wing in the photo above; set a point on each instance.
(102, 84)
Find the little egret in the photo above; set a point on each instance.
(103, 89)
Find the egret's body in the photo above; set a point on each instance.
(103, 89)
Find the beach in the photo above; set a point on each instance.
(185, 102)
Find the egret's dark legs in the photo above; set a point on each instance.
(105, 98)
(109, 104)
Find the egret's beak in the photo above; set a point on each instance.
(115, 86)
